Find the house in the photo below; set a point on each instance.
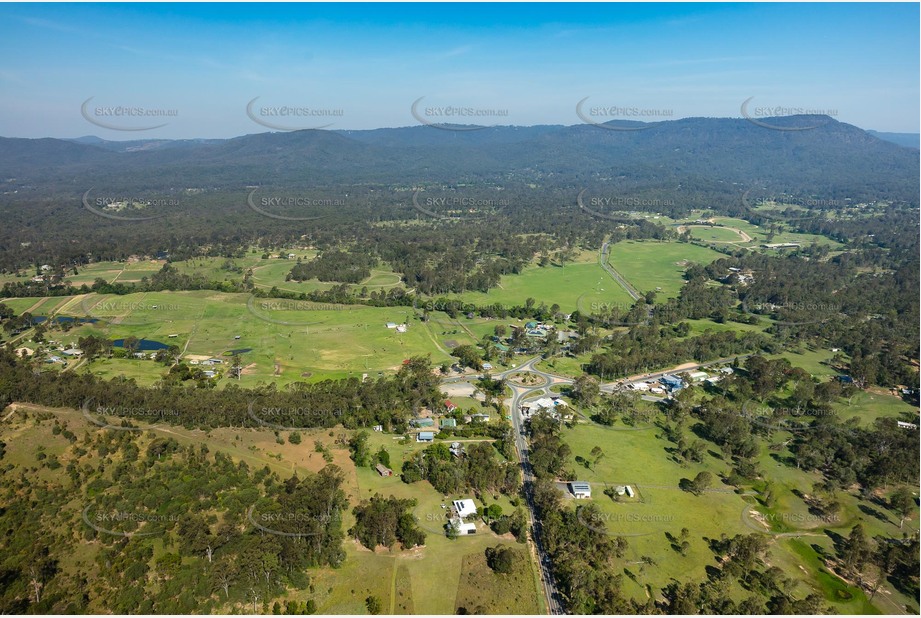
(672, 383)
(501, 347)
(45, 268)
(727, 370)
(698, 376)
(72, 352)
(291, 256)
(425, 436)
(530, 324)
(383, 470)
(487, 366)
(423, 422)
(549, 404)
(447, 422)
(463, 529)
(639, 386)
(450, 406)
(629, 491)
(54, 359)
(904, 425)
(391, 324)
(193, 362)
(580, 489)
(620, 490)
(401, 328)
(713, 379)
(844, 379)
(482, 418)
(456, 449)
(378, 428)
(464, 508)
(209, 373)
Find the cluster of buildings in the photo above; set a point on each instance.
(668, 384)
(553, 405)
(400, 328)
(581, 490)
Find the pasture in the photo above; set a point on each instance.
(648, 265)
(576, 285)
(289, 340)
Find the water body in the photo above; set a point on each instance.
(144, 345)
(63, 319)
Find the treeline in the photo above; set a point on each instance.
(646, 347)
(224, 536)
(387, 401)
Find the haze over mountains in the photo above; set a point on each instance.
(823, 157)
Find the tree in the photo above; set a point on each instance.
(856, 550)
(360, 451)
(597, 454)
(903, 503)
(294, 437)
(701, 482)
(500, 558)
(383, 457)
(374, 605)
(585, 390)
(468, 356)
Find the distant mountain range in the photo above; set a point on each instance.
(909, 140)
(813, 155)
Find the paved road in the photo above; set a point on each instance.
(520, 393)
(551, 593)
(616, 275)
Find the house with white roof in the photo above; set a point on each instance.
(464, 508)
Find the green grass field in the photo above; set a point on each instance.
(639, 458)
(759, 234)
(648, 265)
(577, 285)
(715, 234)
(289, 340)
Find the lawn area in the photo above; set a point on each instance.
(289, 340)
(123, 272)
(815, 361)
(637, 458)
(759, 234)
(699, 327)
(868, 406)
(648, 265)
(714, 234)
(577, 285)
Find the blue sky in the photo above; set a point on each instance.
(369, 63)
